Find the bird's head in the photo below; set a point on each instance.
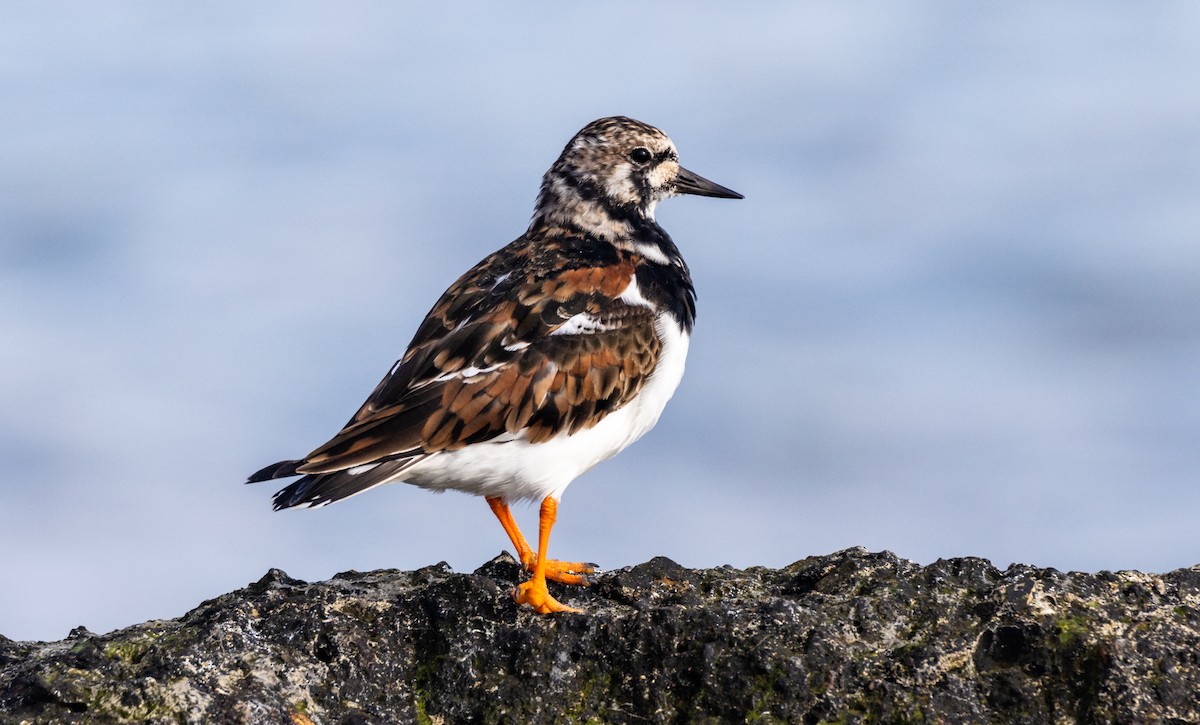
(617, 168)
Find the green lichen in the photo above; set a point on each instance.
(422, 716)
(764, 695)
(129, 652)
(593, 686)
(422, 677)
(1071, 630)
(110, 705)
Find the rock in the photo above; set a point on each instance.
(848, 637)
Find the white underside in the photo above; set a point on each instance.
(516, 469)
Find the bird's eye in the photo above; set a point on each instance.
(640, 155)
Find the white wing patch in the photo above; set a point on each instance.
(582, 324)
(466, 373)
(586, 323)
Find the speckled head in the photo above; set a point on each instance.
(622, 165)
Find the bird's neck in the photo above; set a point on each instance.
(662, 273)
(628, 230)
(588, 218)
(570, 201)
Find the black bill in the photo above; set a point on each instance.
(689, 183)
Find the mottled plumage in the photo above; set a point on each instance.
(549, 356)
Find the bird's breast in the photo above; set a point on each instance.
(514, 468)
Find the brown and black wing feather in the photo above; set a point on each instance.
(486, 363)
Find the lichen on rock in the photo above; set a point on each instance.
(848, 637)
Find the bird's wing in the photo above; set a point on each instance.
(529, 343)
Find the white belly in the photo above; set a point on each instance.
(516, 469)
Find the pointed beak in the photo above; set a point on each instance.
(689, 183)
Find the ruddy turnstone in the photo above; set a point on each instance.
(546, 358)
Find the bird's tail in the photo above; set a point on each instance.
(321, 489)
(283, 469)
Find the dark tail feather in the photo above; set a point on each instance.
(319, 489)
(283, 469)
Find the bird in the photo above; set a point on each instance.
(549, 356)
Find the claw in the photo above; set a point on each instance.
(564, 572)
(577, 573)
(534, 592)
(538, 597)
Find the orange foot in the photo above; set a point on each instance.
(563, 572)
(536, 595)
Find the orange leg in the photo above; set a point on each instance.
(534, 592)
(564, 572)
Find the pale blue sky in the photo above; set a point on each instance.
(958, 312)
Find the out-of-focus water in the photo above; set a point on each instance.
(958, 312)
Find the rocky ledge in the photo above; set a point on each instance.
(849, 637)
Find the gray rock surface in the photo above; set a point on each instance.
(848, 637)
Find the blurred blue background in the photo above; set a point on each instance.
(958, 312)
